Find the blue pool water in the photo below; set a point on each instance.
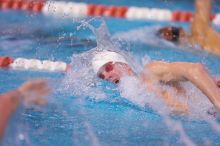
(83, 119)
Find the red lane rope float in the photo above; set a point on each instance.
(111, 11)
(5, 61)
(73, 9)
(29, 5)
(182, 16)
(99, 10)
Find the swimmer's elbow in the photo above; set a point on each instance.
(156, 64)
(198, 67)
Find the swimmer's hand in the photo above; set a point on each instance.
(34, 91)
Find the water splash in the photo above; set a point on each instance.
(133, 89)
(82, 82)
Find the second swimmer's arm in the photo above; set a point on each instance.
(201, 19)
(202, 33)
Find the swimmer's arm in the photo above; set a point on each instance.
(201, 19)
(202, 33)
(177, 106)
(193, 72)
(164, 71)
(8, 104)
(199, 76)
(212, 41)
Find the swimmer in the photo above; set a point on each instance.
(112, 66)
(202, 33)
(31, 92)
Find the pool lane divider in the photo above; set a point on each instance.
(33, 64)
(80, 10)
(26, 5)
(40, 65)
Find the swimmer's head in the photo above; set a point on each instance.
(171, 33)
(111, 66)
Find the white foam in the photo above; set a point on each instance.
(82, 82)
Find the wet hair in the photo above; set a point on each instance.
(175, 33)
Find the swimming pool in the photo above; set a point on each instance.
(85, 120)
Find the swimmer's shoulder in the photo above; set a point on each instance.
(158, 68)
(156, 64)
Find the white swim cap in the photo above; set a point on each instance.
(101, 58)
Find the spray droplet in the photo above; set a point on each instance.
(20, 136)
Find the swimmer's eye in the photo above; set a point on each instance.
(100, 75)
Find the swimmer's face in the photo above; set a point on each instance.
(172, 34)
(113, 72)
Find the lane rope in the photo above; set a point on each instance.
(33, 64)
(80, 10)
